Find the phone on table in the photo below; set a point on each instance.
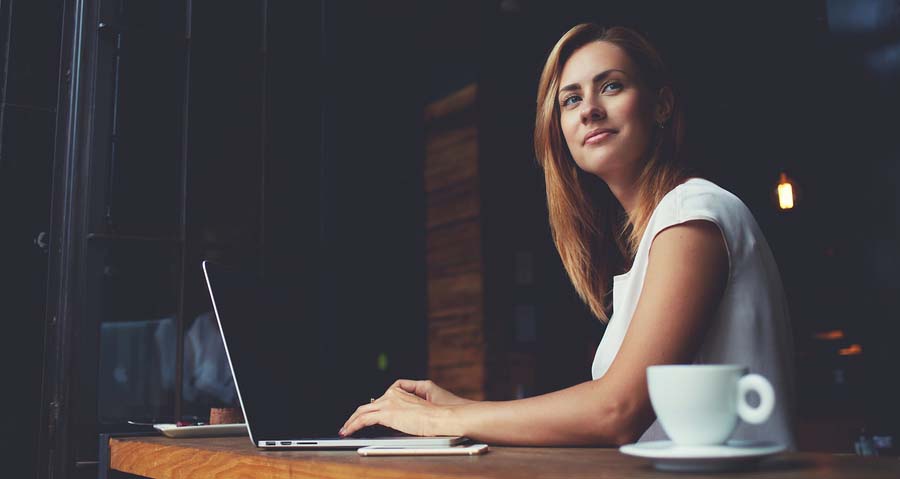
(469, 450)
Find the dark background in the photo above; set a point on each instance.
(288, 137)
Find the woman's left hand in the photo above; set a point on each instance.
(404, 412)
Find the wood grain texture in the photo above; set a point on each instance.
(454, 203)
(459, 101)
(235, 457)
(456, 345)
(453, 249)
(450, 157)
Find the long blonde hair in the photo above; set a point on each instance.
(594, 236)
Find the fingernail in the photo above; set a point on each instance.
(341, 432)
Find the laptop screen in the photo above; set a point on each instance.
(278, 356)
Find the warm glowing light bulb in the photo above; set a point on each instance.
(785, 193)
(830, 335)
(852, 350)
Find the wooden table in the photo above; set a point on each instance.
(235, 457)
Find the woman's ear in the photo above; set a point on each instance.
(665, 103)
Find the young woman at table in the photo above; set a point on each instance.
(702, 286)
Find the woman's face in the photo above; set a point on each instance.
(607, 117)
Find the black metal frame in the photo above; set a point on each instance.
(71, 344)
(67, 232)
(182, 233)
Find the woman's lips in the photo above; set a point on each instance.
(593, 139)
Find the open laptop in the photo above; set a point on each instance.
(288, 390)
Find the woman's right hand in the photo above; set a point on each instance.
(430, 392)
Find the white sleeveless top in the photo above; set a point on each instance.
(752, 325)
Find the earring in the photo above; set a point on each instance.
(661, 124)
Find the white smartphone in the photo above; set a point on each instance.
(469, 450)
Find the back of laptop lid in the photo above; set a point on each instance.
(277, 356)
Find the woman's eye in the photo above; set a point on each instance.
(569, 101)
(612, 86)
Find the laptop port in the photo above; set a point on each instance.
(285, 443)
(271, 443)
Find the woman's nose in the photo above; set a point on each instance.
(592, 110)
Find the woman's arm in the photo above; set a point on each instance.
(686, 275)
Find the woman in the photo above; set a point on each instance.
(702, 286)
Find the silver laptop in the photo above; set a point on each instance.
(290, 396)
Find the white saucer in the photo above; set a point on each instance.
(733, 455)
(207, 430)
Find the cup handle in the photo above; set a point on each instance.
(762, 386)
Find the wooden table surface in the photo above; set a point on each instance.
(236, 457)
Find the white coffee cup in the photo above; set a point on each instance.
(699, 404)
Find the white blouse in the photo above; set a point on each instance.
(752, 325)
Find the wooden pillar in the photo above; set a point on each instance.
(455, 271)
